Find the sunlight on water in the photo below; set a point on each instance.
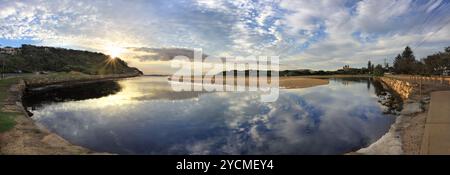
(147, 117)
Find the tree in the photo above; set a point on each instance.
(406, 62)
(378, 70)
(409, 60)
(398, 64)
(408, 54)
(369, 67)
(437, 63)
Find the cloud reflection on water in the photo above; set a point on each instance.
(330, 119)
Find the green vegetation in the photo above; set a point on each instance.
(49, 59)
(4, 85)
(6, 118)
(7, 121)
(305, 72)
(378, 70)
(59, 77)
(406, 62)
(54, 65)
(435, 64)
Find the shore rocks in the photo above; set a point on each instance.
(403, 88)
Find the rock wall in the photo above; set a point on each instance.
(403, 88)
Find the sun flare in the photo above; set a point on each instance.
(114, 51)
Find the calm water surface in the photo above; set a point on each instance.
(144, 116)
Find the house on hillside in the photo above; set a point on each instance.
(9, 50)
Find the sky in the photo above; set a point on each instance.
(305, 34)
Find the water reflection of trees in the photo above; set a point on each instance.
(352, 80)
(37, 98)
(387, 97)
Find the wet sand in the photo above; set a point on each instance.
(301, 82)
(293, 82)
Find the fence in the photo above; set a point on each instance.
(425, 84)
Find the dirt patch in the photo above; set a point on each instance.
(27, 139)
(412, 132)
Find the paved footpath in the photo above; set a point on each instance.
(436, 138)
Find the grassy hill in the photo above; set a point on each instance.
(31, 58)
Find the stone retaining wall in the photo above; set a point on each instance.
(403, 88)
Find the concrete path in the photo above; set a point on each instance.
(436, 139)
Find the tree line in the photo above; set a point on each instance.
(435, 64)
(406, 63)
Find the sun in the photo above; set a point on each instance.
(114, 51)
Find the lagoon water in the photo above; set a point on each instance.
(144, 116)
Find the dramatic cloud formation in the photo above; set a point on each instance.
(305, 33)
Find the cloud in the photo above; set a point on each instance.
(366, 30)
(163, 54)
(43, 20)
(305, 34)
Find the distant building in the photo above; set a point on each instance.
(346, 68)
(9, 50)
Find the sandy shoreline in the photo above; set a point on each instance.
(301, 82)
(292, 82)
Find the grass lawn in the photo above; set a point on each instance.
(4, 85)
(7, 121)
(6, 118)
(59, 77)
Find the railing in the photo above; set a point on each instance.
(431, 80)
